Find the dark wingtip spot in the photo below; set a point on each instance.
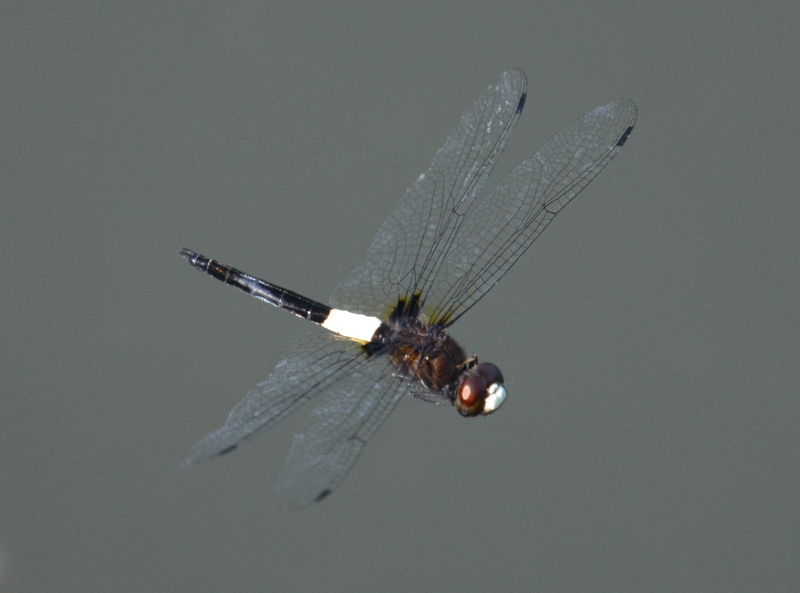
(227, 450)
(323, 494)
(521, 103)
(625, 136)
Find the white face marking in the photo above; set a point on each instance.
(352, 325)
(495, 398)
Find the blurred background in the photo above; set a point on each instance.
(649, 339)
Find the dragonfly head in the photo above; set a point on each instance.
(481, 391)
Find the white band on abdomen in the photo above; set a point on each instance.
(352, 325)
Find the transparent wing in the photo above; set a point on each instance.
(316, 361)
(513, 215)
(328, 445)
(413, 244)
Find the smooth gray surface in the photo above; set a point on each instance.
(649, 338)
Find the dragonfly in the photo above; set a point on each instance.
(442, 248)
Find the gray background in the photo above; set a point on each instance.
(649, 339)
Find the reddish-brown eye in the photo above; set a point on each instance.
(471, 389)
(481, 392)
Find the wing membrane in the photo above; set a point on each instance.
(315, 362)
(514, 213)
(330, 441)
(414, 242)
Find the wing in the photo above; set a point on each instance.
(412, 245)
(328, 445)
(513, 215)
(315, 362)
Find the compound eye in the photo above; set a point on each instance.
(481, 391)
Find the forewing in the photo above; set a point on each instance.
(315, 362)
(330, 441)
(513, 215)
(413, 244)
